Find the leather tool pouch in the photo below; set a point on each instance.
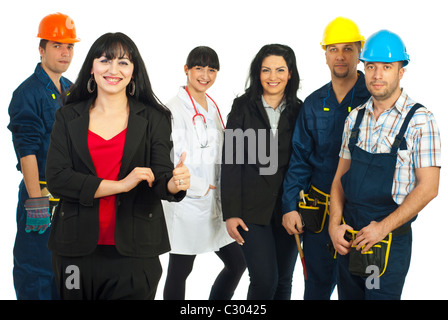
(377, 256)
(313, 214)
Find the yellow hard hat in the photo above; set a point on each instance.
(341, 30)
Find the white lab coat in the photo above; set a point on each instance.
(195, 224)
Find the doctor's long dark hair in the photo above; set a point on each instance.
(254, 88)
(115, 45)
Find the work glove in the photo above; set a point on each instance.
(37, 214)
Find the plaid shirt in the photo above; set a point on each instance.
(377, 136)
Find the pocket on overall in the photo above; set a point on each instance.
(313, 215)
(377, 256)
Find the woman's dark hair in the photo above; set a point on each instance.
(254, 89)
(115, 45)
(204, 57)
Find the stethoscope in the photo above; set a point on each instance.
(201, 116)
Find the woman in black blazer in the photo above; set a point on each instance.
(109, 163)
(257, 148)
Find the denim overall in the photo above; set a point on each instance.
(32, 110)
(368, 190)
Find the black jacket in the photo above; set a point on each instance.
(246, 193)
(140, 229)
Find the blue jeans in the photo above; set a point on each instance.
(270, 254)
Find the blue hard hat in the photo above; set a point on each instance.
(384, 46)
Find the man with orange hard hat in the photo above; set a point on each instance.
(31, 112)
(316, 143)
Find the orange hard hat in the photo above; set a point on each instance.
(58, 27)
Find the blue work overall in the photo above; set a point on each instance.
(32, 110)
(367, 187)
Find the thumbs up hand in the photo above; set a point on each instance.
(181, 159)
(181, 176)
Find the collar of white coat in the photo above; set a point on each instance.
(183, 95)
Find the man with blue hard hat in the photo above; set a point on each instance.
(388, 171)
(316, 143)
(31, 112)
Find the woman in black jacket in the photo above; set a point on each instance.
(257, 148)
(109, 163)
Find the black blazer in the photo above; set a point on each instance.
(140, 229)
(245, 192)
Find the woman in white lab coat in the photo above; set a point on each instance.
(195, 225)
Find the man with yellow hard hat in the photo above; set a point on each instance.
(316, 144)
(31, 112)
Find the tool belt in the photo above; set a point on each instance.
(314, 209)
(45, 193)
(377, 255)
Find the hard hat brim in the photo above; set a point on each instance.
(66, 40)
(324, 45)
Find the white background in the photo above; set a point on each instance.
(165, 32)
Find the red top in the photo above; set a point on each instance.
(106, 156)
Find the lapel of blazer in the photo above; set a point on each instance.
(263, 113)
(284, 121)
(78, 129)
(135, 132)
